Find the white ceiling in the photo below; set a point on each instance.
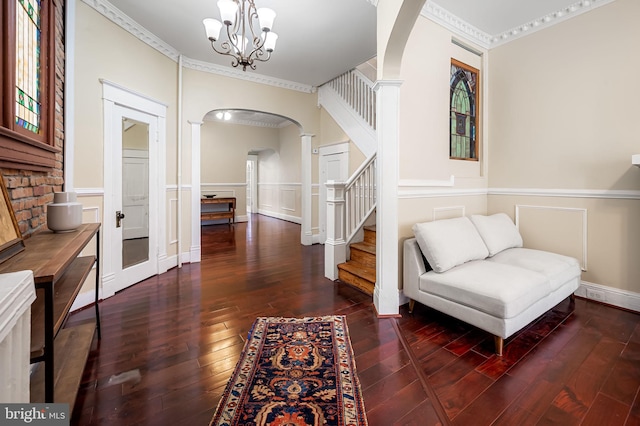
(495, 17)
(316, 43)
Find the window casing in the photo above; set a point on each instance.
(20, 146)
(463, 119)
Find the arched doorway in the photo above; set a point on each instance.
(221, 145)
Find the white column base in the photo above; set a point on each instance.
(335, 252)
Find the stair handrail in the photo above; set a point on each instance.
(360, 197)
(357, 90)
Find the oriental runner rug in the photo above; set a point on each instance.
(294, 371)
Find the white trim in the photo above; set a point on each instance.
(462, 210)
(121, 19)
(281, 216)
(569, 193)
(279, 184)
(306, 236)
(84, 298)
(612, 296)
(456, 25)
(408, 188)
(334, 148)
(427, 183)
(573, 209)
(462, 28)
(96, 215)
(174, 187)
(89, 192)
(428, 192)
(173, 234)
(224, 185)
(197, 65)
(121, 95)
(69, 95)
(196, 192)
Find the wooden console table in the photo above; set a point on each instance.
(230, 213)
(58, 273)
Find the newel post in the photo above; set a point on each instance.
(335, 248)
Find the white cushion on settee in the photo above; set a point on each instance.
(557, 268)
(497, 231)
(497, 289)
(449, 242)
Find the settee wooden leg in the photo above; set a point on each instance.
(499, 341)
(572, 297)
(412, 304)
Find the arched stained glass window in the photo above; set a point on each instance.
(28, 38)
(463, 101)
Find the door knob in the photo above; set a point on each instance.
(119, 217)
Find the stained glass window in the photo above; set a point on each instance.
(463, 118)
(28, 42)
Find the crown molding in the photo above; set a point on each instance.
(462, 28)
(119, 18)
(253, 77)
(115, 15)
(547, 21)
(249, 122)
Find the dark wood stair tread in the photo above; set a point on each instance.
(366, 247)
(358, 270)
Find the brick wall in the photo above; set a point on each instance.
(31, 191)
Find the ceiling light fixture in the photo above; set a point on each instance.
(242, 43)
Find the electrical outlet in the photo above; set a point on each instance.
(595, 295)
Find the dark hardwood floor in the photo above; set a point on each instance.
(170, 343)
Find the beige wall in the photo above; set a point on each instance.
(562, 116)
(105, 51)
(424, 107)
(223, 158)
(279, 177)
(425, 168)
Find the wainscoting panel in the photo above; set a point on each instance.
(561, 230)
(288, 199)
(266, 197)
(448, 212)
(91, 214)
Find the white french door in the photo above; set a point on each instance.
(134, 197)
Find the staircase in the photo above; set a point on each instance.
(360, 270)
(351, 100)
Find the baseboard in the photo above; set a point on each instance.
(83, 299)
(611, 296)
(288, 218)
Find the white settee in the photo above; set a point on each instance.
(476, 270)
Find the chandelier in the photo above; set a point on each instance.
(242, 43)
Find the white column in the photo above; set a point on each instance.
(195, 249)
(386, 295)
(335, 247)
(306, 237)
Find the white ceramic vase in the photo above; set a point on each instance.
(65, 213)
